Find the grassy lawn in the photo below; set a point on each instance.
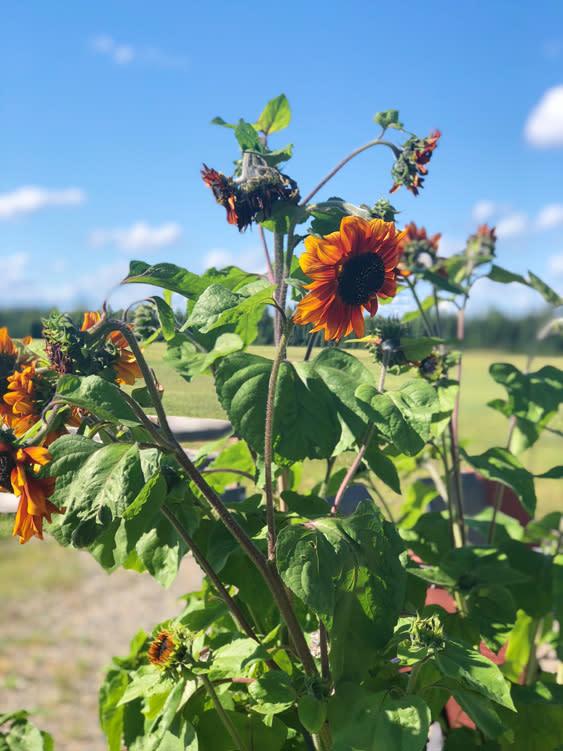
(480, 426)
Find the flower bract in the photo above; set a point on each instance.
(350, 270)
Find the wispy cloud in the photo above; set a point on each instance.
(511, 225)
(139, 236)
(125, 54)
(544, 126)
(484, 210)
(31, 198)
(555, 264)
(550, 216)
(251, 259)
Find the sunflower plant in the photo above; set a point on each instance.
(323, 622)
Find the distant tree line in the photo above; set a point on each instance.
(493, 330)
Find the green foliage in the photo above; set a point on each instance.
(310, 629)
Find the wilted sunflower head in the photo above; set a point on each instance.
(410, 166)
(250, 197)
(351, 269)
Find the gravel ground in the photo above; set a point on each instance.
(58, 637)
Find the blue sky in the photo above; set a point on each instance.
(105, 110)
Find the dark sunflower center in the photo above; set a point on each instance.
(6, 467)
(360, 277)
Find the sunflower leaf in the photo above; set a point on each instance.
(403, 417)
(102, 398)
(184, 282)
(276, 115)
(305, 421)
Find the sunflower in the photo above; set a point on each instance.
(350, 269)
(27, 395)
(410, 167)
(8, 360)
(125, 365)
(17, 476)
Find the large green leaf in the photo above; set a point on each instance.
(240, 311)
(308, 564)
(276, 115)
(305, 421)
(272, 693)
(471, 670)
(247, 137)
(370, 722)
(533, 399)
(343, 373)
(98, 396)
(538, 723)
(403, 417)
(369, 590)
(501, 465)
(184, 282)
(498, 274)
(189, 361)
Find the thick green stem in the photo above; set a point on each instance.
(208, 570)
(233, 732)
(278, 280)
(427, 322)
(268, 441)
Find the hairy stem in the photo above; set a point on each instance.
(233, 732)
(266, 254)
(268, 442)
(377, 142)
(278, 281)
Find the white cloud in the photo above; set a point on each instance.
(513, 298)
(483, 210)
(31, 198)
(550, 216)
(251, 259)
(125, 54)
(544, 126)
(555, 264)
(513, 224)
(447, 245)
(140, 236)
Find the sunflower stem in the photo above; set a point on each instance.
(233, 732)
(427, 323)
(278, 281)
(266, 254)
(377, 142)
(268, 440)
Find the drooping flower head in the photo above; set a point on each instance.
(250, 197)
(18, 476)
(350, 270)
(410, 166)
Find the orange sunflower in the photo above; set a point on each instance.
(21, 397)
(8, 361)
(350, 269)
(17, 476)
(126, 366)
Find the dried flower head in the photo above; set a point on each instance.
(410, 167)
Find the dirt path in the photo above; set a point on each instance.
(62, 619)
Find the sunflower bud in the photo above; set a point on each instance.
(171, 648)
(410, 166)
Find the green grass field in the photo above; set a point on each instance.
(480, 426)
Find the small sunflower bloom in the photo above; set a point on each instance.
(417, 251)
(171, 648)
(27, 395)
(126, 366)
(17, 476)
(350, 270)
